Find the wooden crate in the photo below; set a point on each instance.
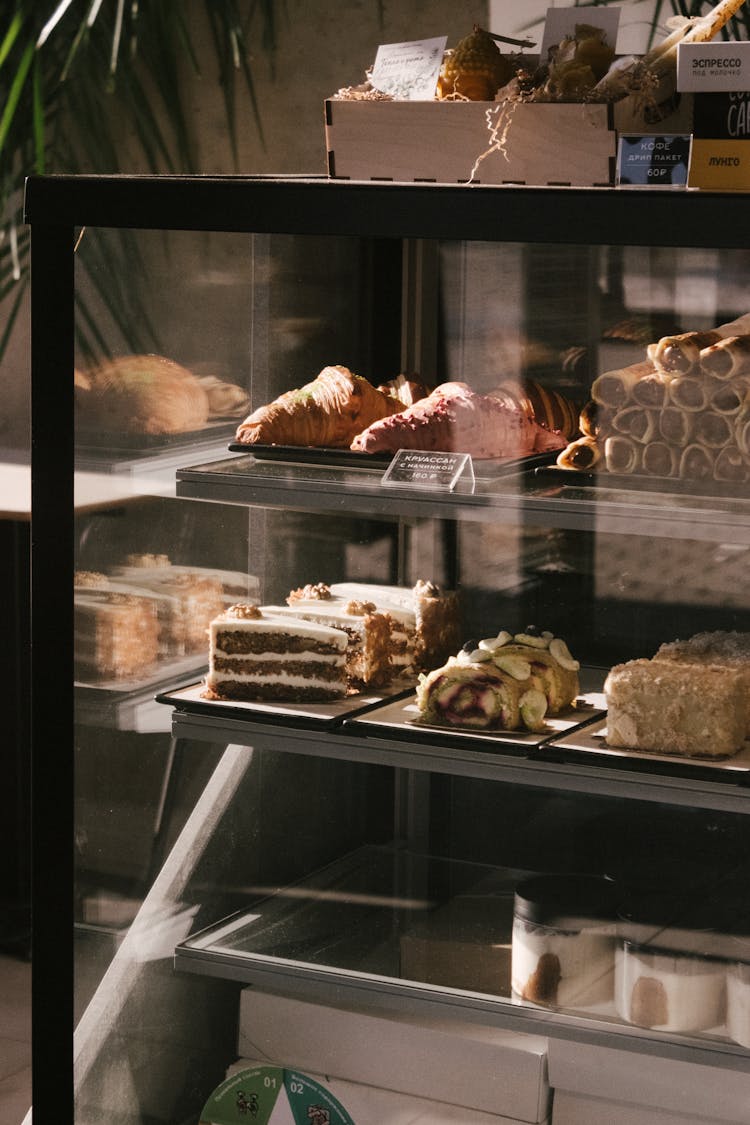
(444, 142)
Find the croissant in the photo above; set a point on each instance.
(329, 411)
(542, 404)
(454, 418)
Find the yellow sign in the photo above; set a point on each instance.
(719, 165)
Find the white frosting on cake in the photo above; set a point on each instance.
(398, 601)
(278, 620)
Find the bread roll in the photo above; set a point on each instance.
(146, 394)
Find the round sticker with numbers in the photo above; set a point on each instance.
(270, 1095)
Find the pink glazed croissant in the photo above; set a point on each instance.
(455, 418)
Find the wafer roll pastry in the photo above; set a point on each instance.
(676, 426)
(636, 422)
(729, 398)
(742, 433)
(727, 358)
(696, 463)
(613, 389)
(731, 466)
(593, 419)
(680, 354)
(582, 454)
(738, 327)
(713, 430)
(660, 459)
(650, 391)
(688, 393)
(622, 454)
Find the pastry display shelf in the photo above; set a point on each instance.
(132, 706)
(341, 930)
(512, 763)
(516, 497)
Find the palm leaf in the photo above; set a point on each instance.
(67, 70)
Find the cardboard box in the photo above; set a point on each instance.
(445, 1060)
(464, 944)
(647, 1084)
(488, 142)
(577, 1109)
(368, 1105)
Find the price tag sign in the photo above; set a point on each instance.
(720, 155)
(653, 161)
(433, 471)
(409, 71)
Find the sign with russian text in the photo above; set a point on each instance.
(720, 154)
(653, 161)
(707, 68)
(432, 471)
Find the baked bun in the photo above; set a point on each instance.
(147, 394)
(225, 400)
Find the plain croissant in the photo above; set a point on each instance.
(329, 411)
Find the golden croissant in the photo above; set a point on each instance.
(329, 411)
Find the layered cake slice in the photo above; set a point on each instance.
(189, 597)
(724, 649)
(116, 630)
(368, 653)
(424, 621)
(256, 654)
(692, 709)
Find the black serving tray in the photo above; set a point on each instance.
(349, 458)
(307, 716)
(400, 719)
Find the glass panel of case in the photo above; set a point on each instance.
(249, 317)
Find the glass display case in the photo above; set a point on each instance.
(356, 853)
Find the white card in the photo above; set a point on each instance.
(409, 71)
(562, 21)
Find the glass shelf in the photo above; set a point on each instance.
(517, 496)
(423, 931)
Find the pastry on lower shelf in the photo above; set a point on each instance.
(723, 648)
(478, 697)
(367, 630)
(256, 655)
(424, 621)
(188, 598)
(506, 682)
(116, 630)
(662, 706)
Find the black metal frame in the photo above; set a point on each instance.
(55, 206)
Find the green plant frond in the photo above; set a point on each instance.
(40, 147)
(11, 36)
(14, 95)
